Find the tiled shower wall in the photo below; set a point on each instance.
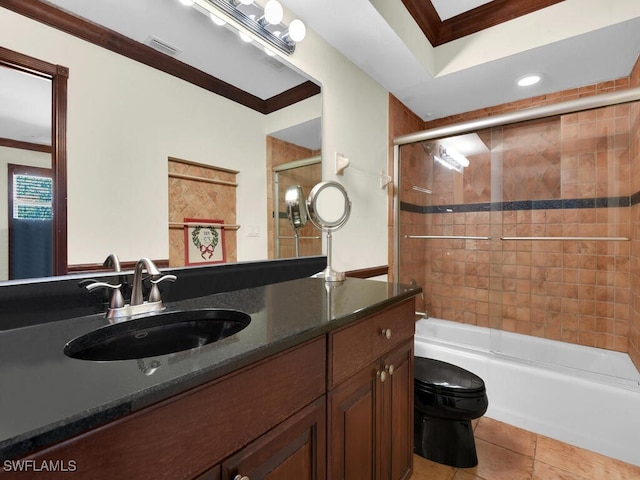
(569, 177)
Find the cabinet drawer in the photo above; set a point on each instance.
(358, 345)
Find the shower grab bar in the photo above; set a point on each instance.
(422, 189)
(611, 239)
(447, 237)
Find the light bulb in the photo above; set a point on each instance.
(273, 12)
(188, 3)
(297, 30)
(216, 19)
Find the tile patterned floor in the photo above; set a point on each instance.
(509, 453)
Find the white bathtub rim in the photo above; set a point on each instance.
(631, 380)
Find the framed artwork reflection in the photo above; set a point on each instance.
(204, 241)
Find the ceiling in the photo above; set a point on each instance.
(600, 43)
(431, 62)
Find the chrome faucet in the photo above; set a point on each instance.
(112, 261)
(117, 308)
(136, 292)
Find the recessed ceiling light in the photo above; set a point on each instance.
(528, 80)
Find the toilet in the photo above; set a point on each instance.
(446, 399)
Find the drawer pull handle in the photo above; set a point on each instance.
(386, 333)
(390, 369)
(382, 376)
(241, 477)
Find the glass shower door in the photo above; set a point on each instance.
(445, 230)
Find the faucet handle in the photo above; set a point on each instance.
(154, 296)
(117, 300)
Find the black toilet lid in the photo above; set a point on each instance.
(441, 376)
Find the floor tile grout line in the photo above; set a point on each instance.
(535, 454)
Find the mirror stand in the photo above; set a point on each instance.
(329, 274)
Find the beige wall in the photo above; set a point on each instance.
(125, 119)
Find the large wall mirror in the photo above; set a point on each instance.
(96, 155)
(33, 203)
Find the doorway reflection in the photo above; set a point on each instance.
(26, 234)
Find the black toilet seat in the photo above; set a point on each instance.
(442, 378)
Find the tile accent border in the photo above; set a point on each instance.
(570, 203)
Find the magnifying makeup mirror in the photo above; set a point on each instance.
(329, 208)
(297, 211)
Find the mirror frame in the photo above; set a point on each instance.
(59, 76)
(312, 207)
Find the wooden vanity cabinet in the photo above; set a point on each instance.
(190, 434)
(295, 449)
(370, 400)
(339, 407)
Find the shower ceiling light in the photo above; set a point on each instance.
(451, 159)
(265, 24)
(446, 164)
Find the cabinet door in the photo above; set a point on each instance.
(211, 474)
(398, 413)
(354, 426)
(295, 449)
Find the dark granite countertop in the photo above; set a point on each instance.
(46, 397)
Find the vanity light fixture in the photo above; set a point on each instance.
(529, 80)
(247, 16)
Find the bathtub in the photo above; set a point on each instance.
(584, 396)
